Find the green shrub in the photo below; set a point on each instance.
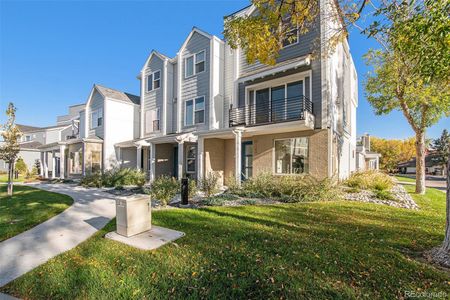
(384, 195)
(213, 201)
(208, 184)
(289, 188)
(123, 177)
(21, 166)
(370, 180)
(164, 188)
(92, 180)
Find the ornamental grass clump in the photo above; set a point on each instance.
(370, 180)
(208, 184)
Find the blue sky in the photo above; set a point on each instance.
(52, 52)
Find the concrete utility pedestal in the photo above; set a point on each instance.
(133, 215)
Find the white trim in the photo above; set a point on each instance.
(194, 111)
(153, 52)
(211, 85)
(165, 96)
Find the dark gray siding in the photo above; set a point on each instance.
(197, 85)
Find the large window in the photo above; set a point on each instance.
(195, 111)
(195, 64)
(95, 161)
(291, 36)
(96, 118)
(191, 155)
(291, 156)
(75, 162)
(153, 81)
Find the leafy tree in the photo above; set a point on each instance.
(21, 166)
(442, 147)
(393, 151)
(10, 146)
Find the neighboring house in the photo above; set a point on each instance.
(433, 166)
(208, 110)
(365, 158)
(108, 117)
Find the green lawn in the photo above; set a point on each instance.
(27, 208)
(326, 250)
(4, 178)
(404, 178)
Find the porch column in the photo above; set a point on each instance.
(62, 161)
(45, 164)
(138, 157)
(41, 163)
(83, 160)
(238, 154)
(180, 159)
(152, 161)
(200, 158)
(53, 165)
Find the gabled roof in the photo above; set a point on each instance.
(154, 52)
(117, 95)
(30, 145)
(26, 128)
(199, 31)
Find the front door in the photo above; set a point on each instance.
(57, 167)
(247, 160)
(175, 161)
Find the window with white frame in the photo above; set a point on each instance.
(153, 81)
(191, 156)
(195, 111)
(152, 120)
(96, 118)
(291, 156)
(195, 64)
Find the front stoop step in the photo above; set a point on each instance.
(147, 240)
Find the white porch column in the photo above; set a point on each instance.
(45, 164)
(152, 161)
(238, 154)
(53, 165)
(83, 159)
(62, 161)
(180, 159)
(138, 157)
(41, 163)
(200, 158)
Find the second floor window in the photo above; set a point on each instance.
(195, 64)
(152, 120)
(153, 81)
(96, 118)
(195, 111)
(291, 35)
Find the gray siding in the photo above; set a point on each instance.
(154, 98)
(229, 82)
(197, 85)
(174, 98)
(66, 132)
(305, 45)
(97, 102)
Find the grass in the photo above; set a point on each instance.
(4, 178)
(321, 250)
(404, 178)
(27, 208)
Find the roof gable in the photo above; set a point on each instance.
(151, 55)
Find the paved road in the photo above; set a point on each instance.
(437, 182)
(91, 211)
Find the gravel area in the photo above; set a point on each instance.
(401, 196)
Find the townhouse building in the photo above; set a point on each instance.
(208, 110)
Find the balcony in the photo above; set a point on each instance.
(271, 112)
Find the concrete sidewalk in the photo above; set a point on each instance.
(92, 210)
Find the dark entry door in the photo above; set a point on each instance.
(247, 160)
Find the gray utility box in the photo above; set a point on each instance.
(133, 215)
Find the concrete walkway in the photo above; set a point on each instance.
(91, 211)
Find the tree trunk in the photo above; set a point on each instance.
(446, 244)
(10, 178)
(420, 163)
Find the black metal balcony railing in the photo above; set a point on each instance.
(270, 112)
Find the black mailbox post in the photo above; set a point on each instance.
(184, 191)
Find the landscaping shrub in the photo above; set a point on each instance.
(289, 188)
(123, 177)
(209, 184)
(21, 166)
(370, 180)
(192, 188)
(164, 188)
(92, 180)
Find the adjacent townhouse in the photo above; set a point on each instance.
(366, 159)
(208, 110)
